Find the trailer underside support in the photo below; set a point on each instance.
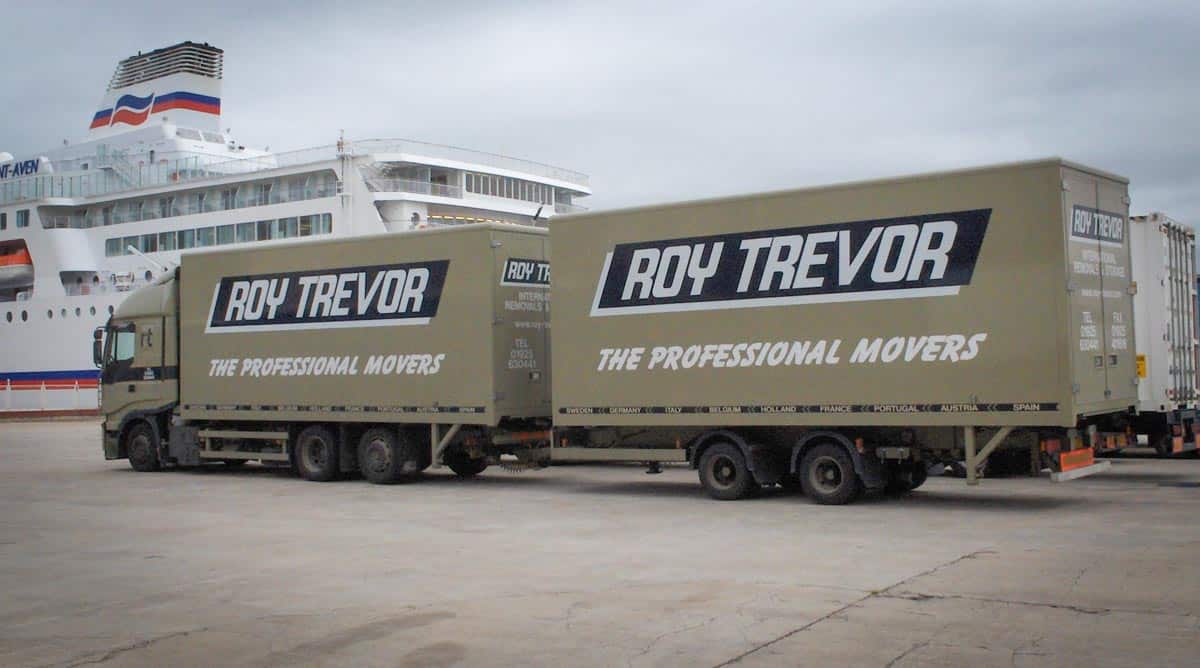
(439, 443)
(976, 460)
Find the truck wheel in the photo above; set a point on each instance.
(919, 475)
(905, 478)
(383, 455)
(141, 448)
(462, 465)
(828, 476)
(724, 474)
(316, 454)
(1163, 445)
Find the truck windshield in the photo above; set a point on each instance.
(122, 346)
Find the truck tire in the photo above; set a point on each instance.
(233, 463)
(141, 448)
(828, 476)
(724, 474)
(382, 455)
(905, 478)
(316, 454)
(919, 475)
(1163, 444)
(462, 465)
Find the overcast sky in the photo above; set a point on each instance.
(661, 100)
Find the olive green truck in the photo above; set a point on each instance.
(835, 339)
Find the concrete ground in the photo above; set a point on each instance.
(100, 565)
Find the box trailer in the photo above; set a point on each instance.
(336, 355)
(841, 337)
(1164, 272)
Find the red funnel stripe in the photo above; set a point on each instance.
(130, 117)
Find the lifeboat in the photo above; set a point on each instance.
(16, 268)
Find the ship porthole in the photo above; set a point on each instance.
(110, 309)
(49, 314)
(91, 310)
(9, 315)
(24, 316)
(77, 312)
(63, 313)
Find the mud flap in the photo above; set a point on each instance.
(869, 469)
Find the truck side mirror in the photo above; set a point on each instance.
(98, 347)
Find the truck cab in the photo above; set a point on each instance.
(137, 353)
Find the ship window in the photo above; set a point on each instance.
(264, 193)
(78, 312)
(110, 309)
(63, 312)
(112, 247)
(245, 232)
(306, 225)
(326, 223)
(205, 236)
(166, 207)
(3, 221)
(91, 310)
(149, 243)
(24, 316)
(106, 215)
(188, 133)
(225, 234)
(8, 316)
(213, 137)
(285, 228)
(167, 241)
(295, 189)
(187, 239)
(229, 198)
(126, 243)
(264, 229)
(49, 314)
(23, 218)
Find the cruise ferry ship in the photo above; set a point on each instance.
(85, 223)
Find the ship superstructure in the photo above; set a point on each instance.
(82, 225)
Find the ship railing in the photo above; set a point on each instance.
(444, 152)
(563, 207)
(103, 288)
(385, 185)
(114, 172)
(79, 403)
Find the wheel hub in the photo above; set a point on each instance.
(827, 474)
(377, 457)
(724, 472)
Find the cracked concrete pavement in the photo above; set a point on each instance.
(582, 566)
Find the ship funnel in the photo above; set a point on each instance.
(183, 80)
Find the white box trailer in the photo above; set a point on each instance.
(1164, 272)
